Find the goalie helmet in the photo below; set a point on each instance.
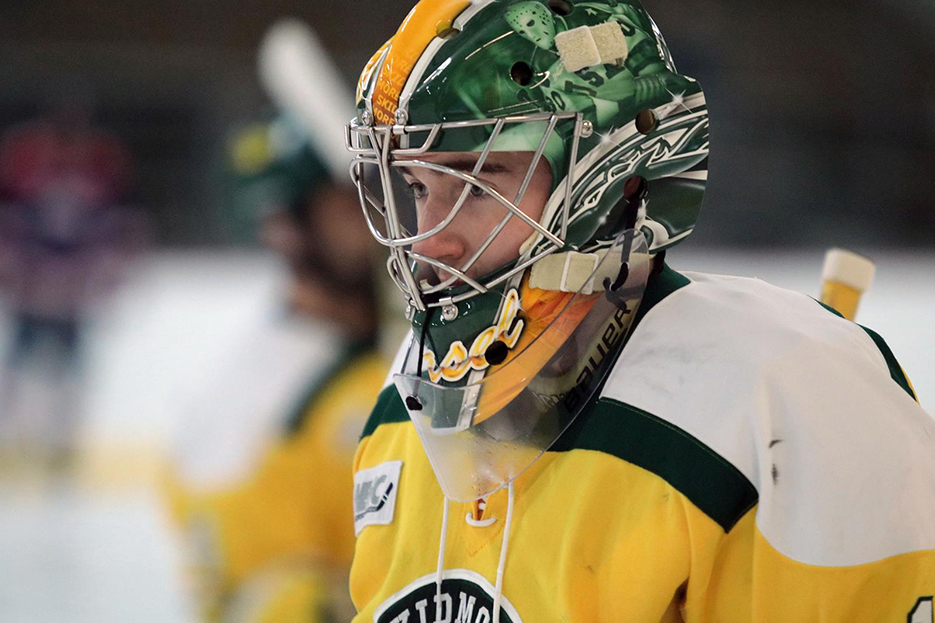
(499, 362)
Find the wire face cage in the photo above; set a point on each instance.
(381, 153)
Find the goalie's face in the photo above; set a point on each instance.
(483, 221)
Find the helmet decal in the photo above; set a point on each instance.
(459, 360)
(419, 28)
(366, 76)
(533, 21)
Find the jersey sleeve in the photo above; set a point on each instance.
(844, 527)
(812, 410)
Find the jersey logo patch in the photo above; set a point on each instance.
(466, 597)
(375, 495)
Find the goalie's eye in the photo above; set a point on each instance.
(477, 191)
(418, 190)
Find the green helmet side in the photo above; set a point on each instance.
(512, 58)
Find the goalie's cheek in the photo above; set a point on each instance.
(475, 220)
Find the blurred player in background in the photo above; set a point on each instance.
(276, 546)
(66, 234)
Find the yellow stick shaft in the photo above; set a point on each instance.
(841, 297)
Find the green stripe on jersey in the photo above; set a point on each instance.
(388, 410)
(896, 370)
(706, 478)
(659, 287)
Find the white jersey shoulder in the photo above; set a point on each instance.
(802, 403)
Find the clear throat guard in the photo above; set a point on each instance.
(491, 422)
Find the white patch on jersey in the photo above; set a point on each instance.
(802, 403)
(375, 492)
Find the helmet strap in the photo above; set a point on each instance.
(412, 401)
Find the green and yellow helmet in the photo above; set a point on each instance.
(600, 70)
(591, 87)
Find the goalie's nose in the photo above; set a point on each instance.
(448, 245)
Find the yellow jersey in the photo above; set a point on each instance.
(751, 457)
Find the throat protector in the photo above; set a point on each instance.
(487, 425)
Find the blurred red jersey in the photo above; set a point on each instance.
(63, 225)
